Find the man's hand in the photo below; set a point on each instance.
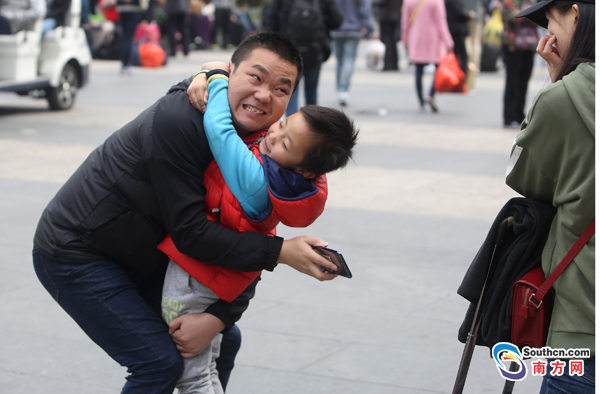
(198, 89)
(299, 254)
(550, 54)
(193, 333)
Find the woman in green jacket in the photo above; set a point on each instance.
(553, 160)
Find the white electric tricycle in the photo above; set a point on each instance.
(53, 67)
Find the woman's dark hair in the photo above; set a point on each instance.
(336, 136)
(274, 42)
(582, 48)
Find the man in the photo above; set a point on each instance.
(221, 32)
(95, 248)
(307, 24)
(388, 13)
(358, 23)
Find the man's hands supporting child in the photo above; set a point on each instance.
(192, 333)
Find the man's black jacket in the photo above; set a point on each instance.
(143, 183)
(519, 253)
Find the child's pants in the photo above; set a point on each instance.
(183, 294)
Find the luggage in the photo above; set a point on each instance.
(146, 32)
(491, 42)
(152, 55)
(490, 55)
(109, 47)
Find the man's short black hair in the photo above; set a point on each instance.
(336, 136)
(273, 41)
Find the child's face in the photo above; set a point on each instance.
(288, 142)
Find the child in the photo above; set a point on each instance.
(280, 178)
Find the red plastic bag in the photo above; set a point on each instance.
(449, 77)
(152, 55)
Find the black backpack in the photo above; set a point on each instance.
(305, 26)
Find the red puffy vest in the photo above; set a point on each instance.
(221, 205)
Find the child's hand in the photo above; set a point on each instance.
(216, 64)
(299, 254)
(193, 333)
(198, 89)
(198, 92)
(550, 54)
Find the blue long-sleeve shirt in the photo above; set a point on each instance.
(241, 169)
(357, 14)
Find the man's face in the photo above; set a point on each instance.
(260, 88)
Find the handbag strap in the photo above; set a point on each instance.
(535, 299)
(415, 12)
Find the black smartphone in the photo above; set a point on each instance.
(336, 258)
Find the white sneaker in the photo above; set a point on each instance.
(126, 70)
(343, 98)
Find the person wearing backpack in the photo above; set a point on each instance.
(307, 23)
(358, 23)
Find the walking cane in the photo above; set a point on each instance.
(509, 384)
(467, 355)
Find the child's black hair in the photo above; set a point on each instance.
(336, 135)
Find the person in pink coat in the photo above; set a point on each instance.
(427, 39)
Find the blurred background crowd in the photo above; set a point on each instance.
(483, 34)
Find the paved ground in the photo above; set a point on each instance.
(409, 215)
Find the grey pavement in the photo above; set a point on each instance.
(408, 214)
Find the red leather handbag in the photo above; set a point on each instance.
(530, 309)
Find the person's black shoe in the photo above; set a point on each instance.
(512, 125)
(432, 104)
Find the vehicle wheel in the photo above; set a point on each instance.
(63, 96)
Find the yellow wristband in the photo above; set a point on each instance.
(217, 76)
(200, 72)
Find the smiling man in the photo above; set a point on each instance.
(259, 94)
(95, 247)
